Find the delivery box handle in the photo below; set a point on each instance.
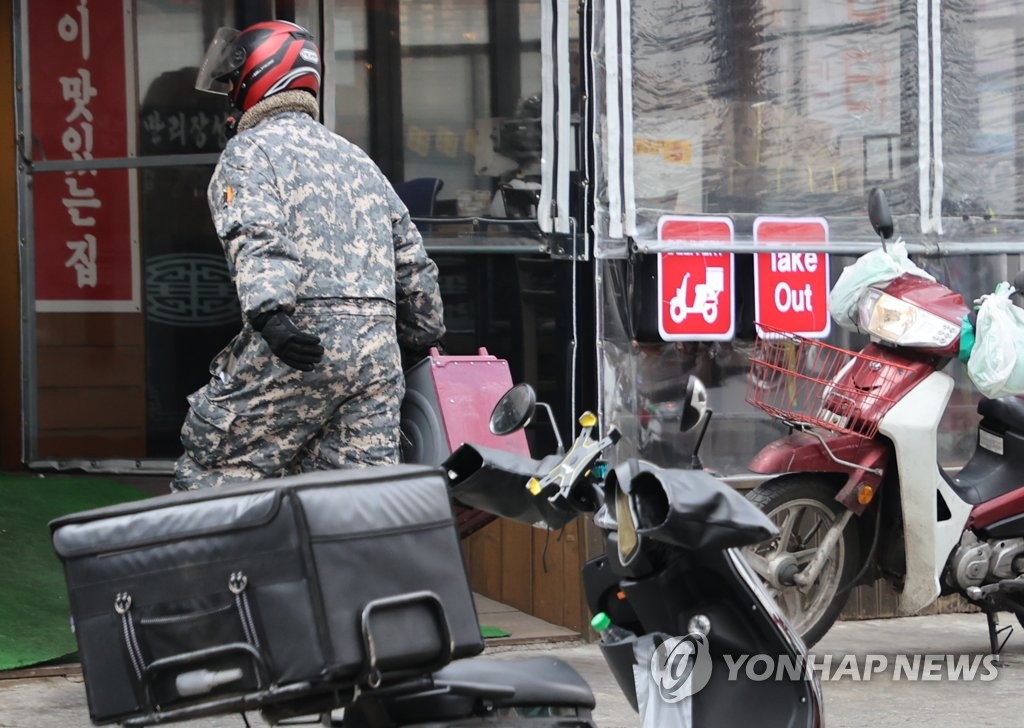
(374, 675)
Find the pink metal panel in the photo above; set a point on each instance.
(468, 387)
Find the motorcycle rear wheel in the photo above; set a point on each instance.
(803, 506)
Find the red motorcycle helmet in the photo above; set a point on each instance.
(260, 61)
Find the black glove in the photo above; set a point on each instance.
(295, 348)
(439, 345)
(412, 357)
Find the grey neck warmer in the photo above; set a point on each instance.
(285, 101)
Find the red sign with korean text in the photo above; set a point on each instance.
(85, 254)
(791, 288)
(695, 290)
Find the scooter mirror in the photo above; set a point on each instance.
(1018, 282)
(514, 410)
(878, 213)
(695, 404)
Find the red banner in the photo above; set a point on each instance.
(85, 256)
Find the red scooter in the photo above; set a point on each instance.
(857, 491)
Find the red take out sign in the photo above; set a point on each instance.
(791, 288)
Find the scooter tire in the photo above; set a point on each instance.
(777, 498)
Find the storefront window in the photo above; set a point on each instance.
(349, 72)
(129, 280)
(772, 108)
(174, 118)
(740, 110)
(189, 308)
(444, 46)
(797, 109)
(128, 276)
(981, 103)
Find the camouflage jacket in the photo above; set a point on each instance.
(304, 214)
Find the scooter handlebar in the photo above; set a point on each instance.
(575, 465)
(553, 490)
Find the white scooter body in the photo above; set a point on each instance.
(912, 425)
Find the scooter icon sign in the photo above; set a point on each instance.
(695, 289)
(705, 297)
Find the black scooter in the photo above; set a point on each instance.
(676, 604)
(672, 583)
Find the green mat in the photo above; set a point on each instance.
(492, 632)
(34, 618)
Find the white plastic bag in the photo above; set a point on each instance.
(996, 364)
(655, 712)
(878, 266)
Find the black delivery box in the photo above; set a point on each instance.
(242, 596)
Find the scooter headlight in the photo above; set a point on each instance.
(901, 322)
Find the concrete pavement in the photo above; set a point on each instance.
(59, 701)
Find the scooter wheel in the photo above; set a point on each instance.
(803, 506)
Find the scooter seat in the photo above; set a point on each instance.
(996, 466)
(1006, 410)
(537, 681)
(460, 688)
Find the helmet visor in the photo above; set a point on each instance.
(219, 62)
